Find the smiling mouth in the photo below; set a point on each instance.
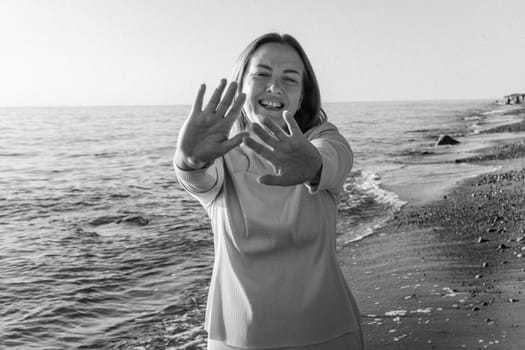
(272, 105)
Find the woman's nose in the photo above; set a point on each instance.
(274, 87)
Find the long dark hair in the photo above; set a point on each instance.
(310, 112)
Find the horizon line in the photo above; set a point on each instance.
(189, 104)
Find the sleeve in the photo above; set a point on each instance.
(203, 184)
(337, 158)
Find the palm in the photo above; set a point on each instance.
(293, 157)
(294, 164)
(204, 135)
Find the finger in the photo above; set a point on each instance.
(292, 123)
(261, 150)
(272, 180)
(227, 99)
(236, 108)
(216, 97)
(197, 104)
(233, 142)
(276, 129)
(264, 135)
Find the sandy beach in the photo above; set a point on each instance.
(448, 272)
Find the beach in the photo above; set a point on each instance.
(447, 271)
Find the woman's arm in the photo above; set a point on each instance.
(337, 158)
(203, 184)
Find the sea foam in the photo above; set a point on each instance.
(365, 206)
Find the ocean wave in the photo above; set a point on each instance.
(19, 154)
(364, 184)
(365, 206)
(423, 150)
(502, 109)
(473, 117)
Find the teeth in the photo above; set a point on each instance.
(271, 104)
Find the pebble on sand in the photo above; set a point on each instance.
(482, 240)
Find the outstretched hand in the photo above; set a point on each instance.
(294, 159)
(204, 135)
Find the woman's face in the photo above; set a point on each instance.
(273, 83)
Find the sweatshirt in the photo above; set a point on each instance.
(276, 281)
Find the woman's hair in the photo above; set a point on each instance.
(310, 112)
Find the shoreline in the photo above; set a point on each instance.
(447, 271)
(438, 165)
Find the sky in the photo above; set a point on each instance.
(151, 52)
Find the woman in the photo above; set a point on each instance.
(267, 167)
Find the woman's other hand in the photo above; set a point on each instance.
(294, 159)
(204, 135)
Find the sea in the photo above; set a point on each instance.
(100, 248)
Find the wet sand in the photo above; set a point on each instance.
(449, 273)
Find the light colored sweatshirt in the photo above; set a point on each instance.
(276, 281)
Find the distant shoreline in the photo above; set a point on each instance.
(442, 158)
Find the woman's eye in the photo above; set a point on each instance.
(260, 74)
(290, 80)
